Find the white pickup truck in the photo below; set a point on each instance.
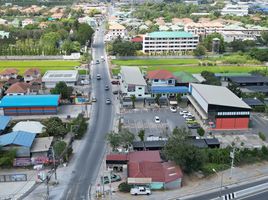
(140, 190)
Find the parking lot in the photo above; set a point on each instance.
(144, 119)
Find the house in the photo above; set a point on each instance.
(40, 150)
(30, 105)
(161, 78)
(31, 74)
(173, 41)
(132, 82)
(4, 35)
(52, 77)
(88, 20)
(237, 10)
(57, 15)
(9, 73)
(4, 121)
(43, 25)
(26, 22)
(137, 39)
(29, 126)
(19, 88)
(20, 140)
(115, 30)
(184, 78)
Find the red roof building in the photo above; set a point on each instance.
(160, 74)
(19, 88)
(137, 39)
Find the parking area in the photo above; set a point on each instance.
(144, 119)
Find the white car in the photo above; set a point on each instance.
(173, 109)
(183, 112)
(157, 119)
(185, 116)
(189, 114)
(140, 190)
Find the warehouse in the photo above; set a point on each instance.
(30, 104)
(51, 78)
(219, 107)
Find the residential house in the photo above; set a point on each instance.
(88, 20)
(40, 150)
(31, 74)
(184, 78)
(4, 35)
(9, 73)
(26, 22)
(116, 30)
(19, 88)
(132, 82)
(43, 25)
(58, 15)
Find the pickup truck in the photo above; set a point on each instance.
(140, 190)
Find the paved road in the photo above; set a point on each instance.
(91, 156)
(259, 196)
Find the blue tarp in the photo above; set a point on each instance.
(30, 101)
(4, 120)
(20, 138)
(168, 89)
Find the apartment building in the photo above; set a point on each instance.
(165, 41)
(203, 28)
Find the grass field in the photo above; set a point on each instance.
(199, 69)
(151, 62)
(43, 65)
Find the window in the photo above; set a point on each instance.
(139, 95)
(140, 88)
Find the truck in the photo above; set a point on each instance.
(140, 191)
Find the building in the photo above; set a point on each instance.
(51, 78)
(30, 104)
(116, 30)
(26, 22)
(230, 36)
(19, 88)
(20, 140)
(203, 28)
(31, 74)
(238, 10)
(244, 81)
(160, 42)
(184, 78)
(3, 22)
(133, 83)
(40, 150)
(29, 126)
(161, 78)
(4, 35)
(220, 107)
(4, 122)
(9, 73)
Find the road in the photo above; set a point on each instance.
(259, 196)
(91, 156)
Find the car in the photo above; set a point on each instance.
(189, 114)
(173, 109)
(97, 62)
(157, 119)
(188, 119)
(94, 99)
(102, 58)
(98, 77)
(114, 178)
(106, 87)
(191, 122)
(115, 82)
(183, 112)
(140, 190)
(193, 126)
(185, 116)
(115, 92)
(108, 101)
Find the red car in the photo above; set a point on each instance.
(115, 82)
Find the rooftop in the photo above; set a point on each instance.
(170, 34)
(139, 156)
(29, 100)
(19, 87)
(20, 138)
(41, 144)
(184, 77)
(219, 95)
(4, 120)
(249, 79)
(160, 74)
(29, 126)
(253, 102)
(60, 75)
(168, 89)
(132, 76)
(32, 72)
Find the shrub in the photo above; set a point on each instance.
(262, 136)
(124, 187)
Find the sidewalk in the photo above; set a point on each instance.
(194, 186)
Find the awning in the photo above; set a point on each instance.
(139, 180)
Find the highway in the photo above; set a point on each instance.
(89, 161)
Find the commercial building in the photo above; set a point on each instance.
(159, 42)
(30, 104)
(220, 107)
(51, 78)
(133, 83)
(238, 10)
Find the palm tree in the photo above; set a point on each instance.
(133, 99)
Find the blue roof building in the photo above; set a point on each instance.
(168, 90)
(4, 120)
(30, 104)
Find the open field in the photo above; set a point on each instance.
(43, 65)
(199, 69)
(151, 62)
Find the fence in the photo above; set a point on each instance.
(159, 57)
(38, 58)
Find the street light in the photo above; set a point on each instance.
(221, 176)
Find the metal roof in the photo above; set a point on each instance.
(219, 95)
(185, 77)
(41, 144)
(29, 126)
(168, 89)
(4, 120)
(253, 102)
(60, 75)
(257, 88)
(249, 79)
(171, 34)
(132, 76)
(20, 138)
(29, 100)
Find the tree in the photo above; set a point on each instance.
(208, 42)
(7, 157)
(55, 127)
(157, 99)
(84, 33)
(178, 98)
(201, 132)
(127, 138)
(141, 135)
(259, 54)
(81, 124)
(123, 48)
(133, 99)
(210, 78)
(200, 50)
(114, 140)
(62, 89)
(59, 148)
(264, 36)
(235, 89)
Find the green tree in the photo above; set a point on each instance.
(59, 148)
(264, 36)
(62, 89)
(178, 98)
(200, 50)
(141, 135)
(84, 33)
(114, 140)
(133, 100)
(201, 132)
(127, 138)
(55, 127)
(7, 157)
(207, 42)
(157, 99)
(235, 89)
(123, 48)
(81, 124)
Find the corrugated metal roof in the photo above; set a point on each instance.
(168, 89)
(29, 100)
(132, 76)
(4, 120)
(20, 138)
(185, 77)
(171, 34)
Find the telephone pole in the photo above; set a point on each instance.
(232, 155)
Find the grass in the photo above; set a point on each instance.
(151, 62)
(199, 69)
(43, 65)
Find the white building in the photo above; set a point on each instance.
(230, 36)
(29, 126)
(51, 78)
(116, 30)
(238, 10)
(132, 82)
(203, 28)
(169, 42)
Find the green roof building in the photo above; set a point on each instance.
(184, 77)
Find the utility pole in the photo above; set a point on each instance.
(54, 163)
(232, 155)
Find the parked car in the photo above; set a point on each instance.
(184, 116)
(115, 92)
(140, 190)
(97, 62)
(98, 77)
(173, 109)
(106, 87)
(108, 101)
(115, 82)
(189, 119)
(183, 112)
(157, 119)
(193, 126)
(94, 99)
(114, 178)
(102, 58)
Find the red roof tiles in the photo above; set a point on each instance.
(32, 72)
(9, 71)
(160, 74)
(18, 87)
